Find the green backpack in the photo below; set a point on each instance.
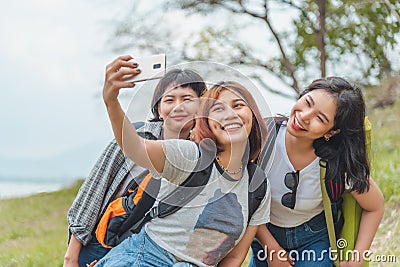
(351, 211)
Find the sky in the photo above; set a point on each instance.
(53, 55)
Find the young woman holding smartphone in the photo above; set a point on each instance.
(214, 227)
(173, 107)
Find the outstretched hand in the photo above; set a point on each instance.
(118, 74)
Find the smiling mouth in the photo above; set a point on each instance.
(232, 127)
(179, 117)
(296, 125)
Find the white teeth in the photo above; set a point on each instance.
(232, 126)
(297, 123)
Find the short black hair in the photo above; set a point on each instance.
(179, 78)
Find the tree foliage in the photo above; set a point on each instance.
(365, 29)
(323, 35)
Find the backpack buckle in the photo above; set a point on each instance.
(153, 212)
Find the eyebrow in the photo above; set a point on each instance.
(313, 103)
(311, 99)
(219, 102)
(216, 103)
(187, 95)
(190, 95)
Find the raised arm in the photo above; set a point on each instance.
(146, 153)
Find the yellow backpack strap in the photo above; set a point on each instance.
(368, 137)
(328, 212)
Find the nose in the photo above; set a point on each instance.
(230, 114)
(306, 115)
(179, 105)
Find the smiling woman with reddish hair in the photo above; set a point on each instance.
(215, 227)
(257, 133)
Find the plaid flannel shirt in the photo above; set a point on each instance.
(101, 185)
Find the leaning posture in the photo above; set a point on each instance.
(327, 122)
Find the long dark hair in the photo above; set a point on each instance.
(177, 77)
(258, 129)
(345, 152)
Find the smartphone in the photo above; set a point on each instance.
(152, 67)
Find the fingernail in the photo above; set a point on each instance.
(138, 70)
(134, 64)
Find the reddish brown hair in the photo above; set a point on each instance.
(258, 131)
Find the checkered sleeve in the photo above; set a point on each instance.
(86, 208)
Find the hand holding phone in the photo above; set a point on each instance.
(151, 67)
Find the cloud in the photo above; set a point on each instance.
(53, 55)
(52, 66)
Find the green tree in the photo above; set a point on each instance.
(323, 34)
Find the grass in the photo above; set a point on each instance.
(386, 172)
(33, 230)
(386, 150)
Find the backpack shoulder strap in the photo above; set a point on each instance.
(257, 188)
(195, 184)
(175, 200)
(197, 180)
(183, 194)
(186, 191)
(273, 126)
(328, 209)
(149, 190)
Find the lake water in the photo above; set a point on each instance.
(10, 189)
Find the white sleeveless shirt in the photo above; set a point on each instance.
(308, 198)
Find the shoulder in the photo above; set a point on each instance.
(149, 130)
(258, 181)
(180, 143)
(181, 150)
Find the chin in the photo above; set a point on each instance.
(238, 139)
(185, 125)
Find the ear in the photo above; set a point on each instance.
(159, 114)
(331, 133)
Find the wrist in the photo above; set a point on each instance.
(111, 104)
(273, 247)
(71, 257)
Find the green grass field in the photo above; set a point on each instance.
(33, 230)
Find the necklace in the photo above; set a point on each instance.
(228, 171)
